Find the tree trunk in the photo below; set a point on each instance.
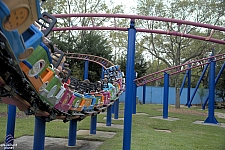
(177, 90)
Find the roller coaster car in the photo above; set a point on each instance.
(46, 22)
(57, 57)
(106, 95)
(89, 103)
(99, 100)
(78, 103)
(66, 72)
(15, 18)
(32, 38)
(74, 82)
(117, 87)
(20, 14)
(66, 101)
(92, 88)
(82, 88)
(112, 91)
(36, 67)
(21, 91)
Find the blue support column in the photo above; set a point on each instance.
(129, 86)
(134, 98)
(211, 118)
(196, 87)
(93, 124)
(86, 69)
(9, 139)
(72, 133)
(109, 116)
(116, 109)
(165, 95)
(112, 108)
(39, 134)
(183, 83)
(103, 73)
(216, 80)
(144, 93)
(189, 85)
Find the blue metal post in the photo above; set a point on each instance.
(109, 116)
(86, 69)
(134, 98)
(129, 86)
(216, 80)
(196, 87)
(39, 134)
(102, 75)
(211, 118)
(93, 124)
(183, 83)
(189, 85)
(144, 93)
(10, 127)
(112, 108)
(165, 95)
(72, 133)
(116, 109)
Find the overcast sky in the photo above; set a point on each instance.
(127, 4)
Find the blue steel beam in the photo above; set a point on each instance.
(189, 84)
(166, 95)
(211, 118)
(109, 116)
(197, 85)
(72, 133)
(144, 93)
(134, 96)
(116, 109)
(9, 139)
(129, 86)
(86, 69)
(183, 83)
(93, 124)
(216, 80)
(39, 134)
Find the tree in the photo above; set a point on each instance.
(90, 42)
(201, 93)
(220, 89)
(177, 50)
(94, 44)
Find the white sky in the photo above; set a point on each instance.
(127, 4)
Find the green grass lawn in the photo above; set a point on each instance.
(183, 136)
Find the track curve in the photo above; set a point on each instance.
(177, 69)
(96, 59)
(152, 18)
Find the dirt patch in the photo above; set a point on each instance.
(162, 130)
(185, 111)
(18, 114)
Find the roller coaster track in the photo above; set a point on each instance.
(184, 25)
(177, 69)
(96, 59)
